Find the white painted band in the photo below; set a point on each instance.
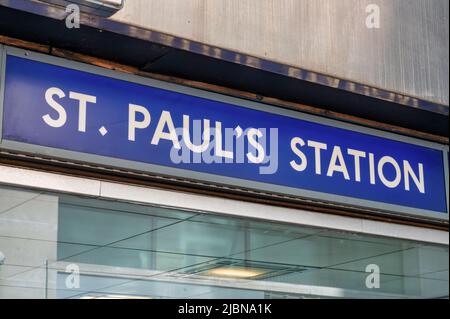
(22, 177)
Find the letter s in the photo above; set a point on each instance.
(62, 115)
(304, 162)
(252, 134)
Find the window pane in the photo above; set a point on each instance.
(130, 250)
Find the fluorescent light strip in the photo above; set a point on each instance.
(235, 272)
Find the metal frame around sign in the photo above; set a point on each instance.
(213, 179)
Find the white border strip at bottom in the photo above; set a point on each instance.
(22, 177)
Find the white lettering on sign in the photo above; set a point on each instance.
(338, 163)
(166, 120)
(300, 167)
(62, 115)
(133, 124)
(197, 137)
(357, 155)
(82, 99)
(337, 167)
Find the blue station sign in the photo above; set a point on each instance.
(57, 108)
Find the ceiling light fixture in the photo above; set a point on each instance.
(235, 272)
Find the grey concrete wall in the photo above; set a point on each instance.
(407, 54)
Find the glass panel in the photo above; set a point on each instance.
(61, 246)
